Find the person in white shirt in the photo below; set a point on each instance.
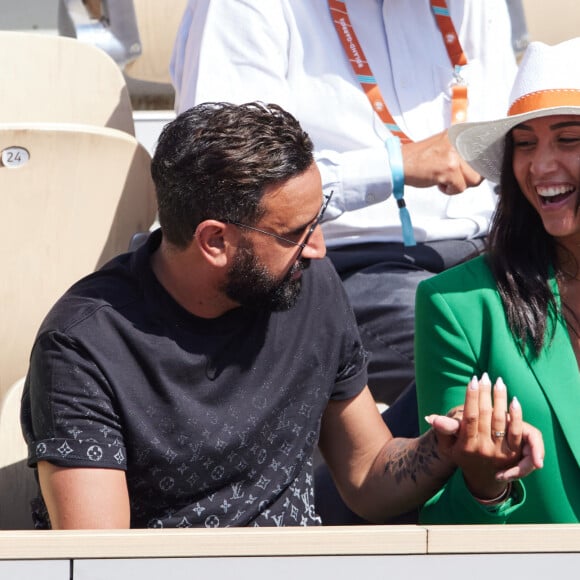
(290, 52)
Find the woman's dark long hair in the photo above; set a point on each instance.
(521, 256)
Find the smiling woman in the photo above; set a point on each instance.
(515, 312)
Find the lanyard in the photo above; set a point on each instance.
(367, 80)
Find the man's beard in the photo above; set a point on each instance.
(250, 284)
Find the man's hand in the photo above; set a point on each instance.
(434, 161)
(491, 445)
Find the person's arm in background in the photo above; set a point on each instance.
(241, 51)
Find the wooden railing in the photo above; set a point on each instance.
(355, 552)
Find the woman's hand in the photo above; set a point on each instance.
(489, 442)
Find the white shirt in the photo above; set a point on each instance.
(288, 52)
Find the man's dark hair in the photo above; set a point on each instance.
(215, 160)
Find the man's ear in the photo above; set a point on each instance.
(211, 239)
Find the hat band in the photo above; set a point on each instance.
(545, 100)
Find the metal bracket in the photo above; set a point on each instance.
(111, 25)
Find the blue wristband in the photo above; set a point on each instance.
(393, 145)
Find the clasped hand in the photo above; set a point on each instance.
(489, 442)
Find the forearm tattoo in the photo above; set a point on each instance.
(410, 459)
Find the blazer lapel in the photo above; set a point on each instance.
(556, 370)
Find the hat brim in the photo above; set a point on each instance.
(481, 144)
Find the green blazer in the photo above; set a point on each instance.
(461, 331)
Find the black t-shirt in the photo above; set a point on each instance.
(214, 420)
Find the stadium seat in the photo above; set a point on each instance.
(50, 78)
(73, 196)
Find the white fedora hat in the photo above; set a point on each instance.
(547, 83)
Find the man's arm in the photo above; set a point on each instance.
(378, 476)
(84, 498)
